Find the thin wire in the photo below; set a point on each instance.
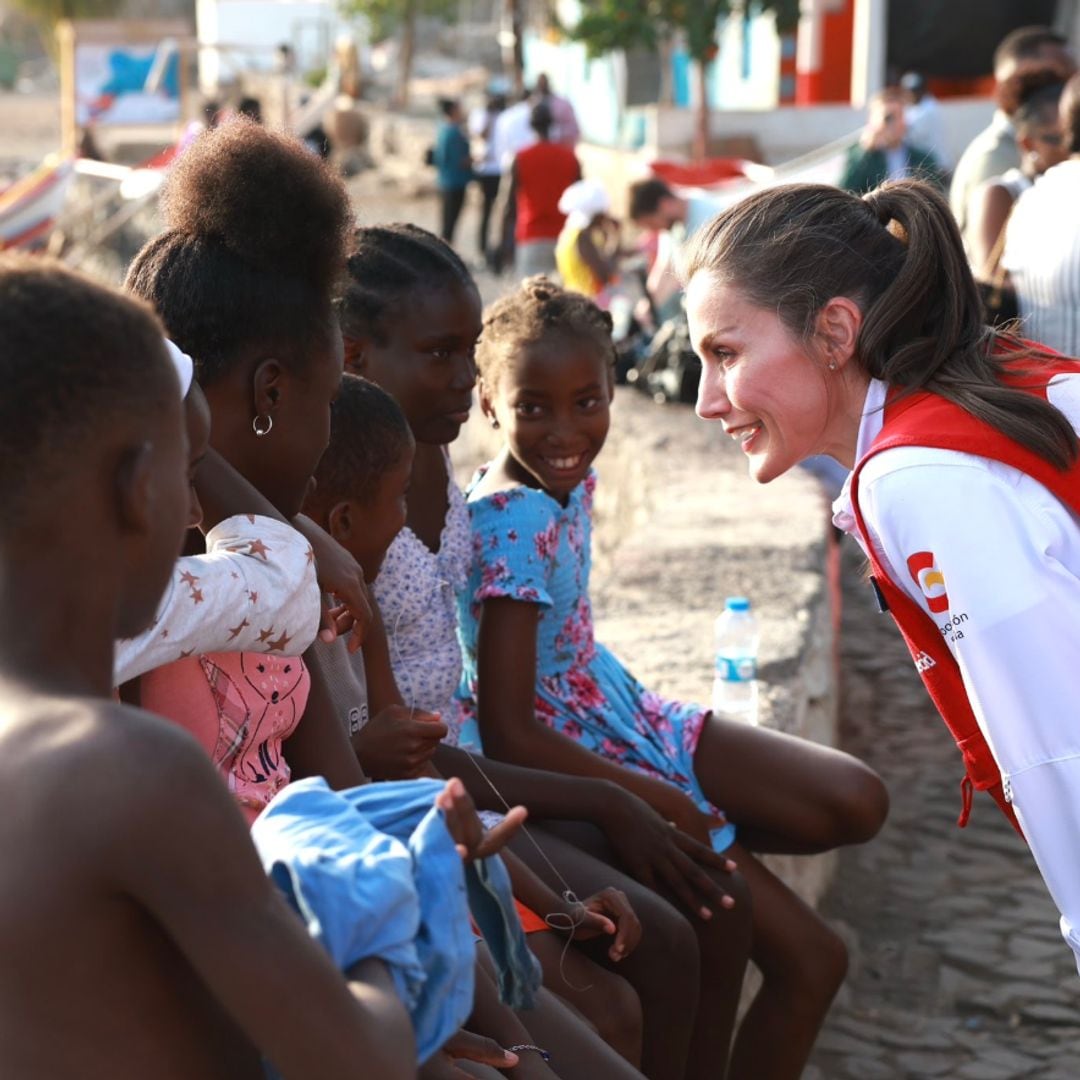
(557, 920)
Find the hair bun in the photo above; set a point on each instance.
(265, 197)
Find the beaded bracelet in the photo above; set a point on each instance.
(529, 1046)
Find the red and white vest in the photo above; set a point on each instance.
(925, 419)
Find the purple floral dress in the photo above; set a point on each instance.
(528, 547)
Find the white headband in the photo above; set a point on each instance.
(185, 369)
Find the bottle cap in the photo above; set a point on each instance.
(737, 603)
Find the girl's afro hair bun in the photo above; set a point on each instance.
(265, 197)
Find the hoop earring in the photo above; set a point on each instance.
(268, 422)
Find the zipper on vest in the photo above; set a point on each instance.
(1006, 789)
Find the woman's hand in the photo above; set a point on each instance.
(465, 827)
(465, 1046)
(398, 743)
(669, 847)
(606, 912)
(342, 578)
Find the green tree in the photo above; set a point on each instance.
(610, 25)
(47, 14)
(389, 17)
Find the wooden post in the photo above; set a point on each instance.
(69, 128)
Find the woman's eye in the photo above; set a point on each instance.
(526, 408)
(441, 353)
(589, 402)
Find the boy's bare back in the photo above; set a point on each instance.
(100, 826)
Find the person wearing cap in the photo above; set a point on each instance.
(587, 251)
(923, 117)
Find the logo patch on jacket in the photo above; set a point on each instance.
(929, 578)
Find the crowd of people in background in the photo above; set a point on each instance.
(311, 688)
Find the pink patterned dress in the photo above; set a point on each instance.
(529, 548)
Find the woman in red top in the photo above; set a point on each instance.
(541, 173)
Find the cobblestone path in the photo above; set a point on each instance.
(958, 967)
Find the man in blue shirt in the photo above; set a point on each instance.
(451, 158)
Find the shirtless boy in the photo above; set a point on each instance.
(138, 935)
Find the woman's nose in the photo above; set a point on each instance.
(712, 400)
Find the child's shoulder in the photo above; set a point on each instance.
(98, 751)
(492, 491)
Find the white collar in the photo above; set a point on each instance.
(873, 420)
(1001, 123)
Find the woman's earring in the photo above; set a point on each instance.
(495, 423)
(262, 425)
(832, 365)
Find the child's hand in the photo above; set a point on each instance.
(465, 1046)
(465, 827)
(608, 912)
(398, 743)
(682, 812)
(341, 577)
(656, 854)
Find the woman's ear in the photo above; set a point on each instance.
(838, 324)
(339, 521)
(266, 387)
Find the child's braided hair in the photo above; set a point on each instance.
(538, 311)
(386, 264)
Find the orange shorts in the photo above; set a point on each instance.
(531, 923)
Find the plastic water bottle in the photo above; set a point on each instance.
(736, 635)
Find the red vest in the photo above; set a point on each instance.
(925, 419)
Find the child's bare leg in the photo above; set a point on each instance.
(577, 1052)
(606, 1000)
(721, 948)
(802, 963)
(785, 793)
(490, 1017)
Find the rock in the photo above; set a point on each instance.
(1048, 1014)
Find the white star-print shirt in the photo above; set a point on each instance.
(257, 573)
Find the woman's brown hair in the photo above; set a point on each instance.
(896, 252)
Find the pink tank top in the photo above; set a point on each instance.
(240, 707)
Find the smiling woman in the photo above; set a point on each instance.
(829, 323)
(781, 399)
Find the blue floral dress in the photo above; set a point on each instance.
(530, 548)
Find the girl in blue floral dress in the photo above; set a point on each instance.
(538, 688)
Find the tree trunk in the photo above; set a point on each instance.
(405, 59)
(700, 149)
(517, 49)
